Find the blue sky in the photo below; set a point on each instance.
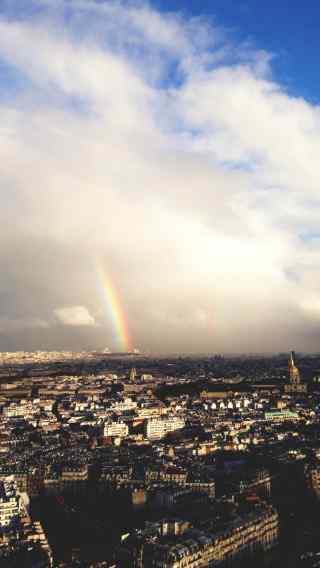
(287, 29)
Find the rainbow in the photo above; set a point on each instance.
(115, 308)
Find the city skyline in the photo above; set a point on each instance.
(159, 177)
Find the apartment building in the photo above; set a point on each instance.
(157, 428)
(10, 502)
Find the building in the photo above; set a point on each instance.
(116, 473)
(157, 428)
(257, 481)
(256, 530)
(74, 473)
(312, 476)
(10, 503)
(146, 377)
(22, 541)
(115, 430)
(133, 375)
(280, 415)
(166, 474)
(295, 385)
(171, 496)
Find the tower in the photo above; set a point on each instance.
(133, 374)
(294, 386)
(294, 374)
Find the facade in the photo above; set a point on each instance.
(209, 488)
(257, 482)
(312, 476)
(194, 548)
(179, 495)
(166, 474)
(280, 415)
(197, 549)
(116, 430)
(116, 473)
(24, 538)
(10, 503)
(158, 428)
(74, 473)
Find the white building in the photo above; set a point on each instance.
(115, 430)
(146, 377)
(10, 503)
(15, 410)
(157, 428)
(125, 404)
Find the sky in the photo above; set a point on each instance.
(287, 30)
(159, 175)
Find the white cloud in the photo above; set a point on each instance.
(75, 316)
(152, 142)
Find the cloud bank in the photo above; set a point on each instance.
(154, 143)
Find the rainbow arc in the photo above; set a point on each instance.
(115, 308)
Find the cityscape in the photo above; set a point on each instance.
(126, 460)
(159, 284)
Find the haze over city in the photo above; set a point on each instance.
(159, 177)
